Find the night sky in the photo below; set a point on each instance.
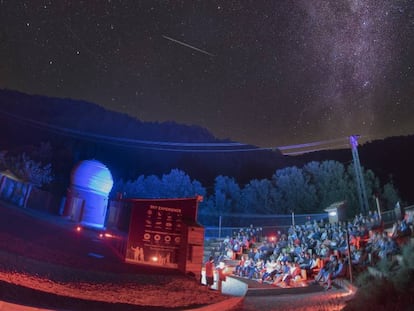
(268, 73)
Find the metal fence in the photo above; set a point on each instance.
(230, 224)
(227, 225)
(391, 216)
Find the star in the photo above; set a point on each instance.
(311, 68)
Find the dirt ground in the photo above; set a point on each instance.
(46, 263)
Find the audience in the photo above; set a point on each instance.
(315, 249)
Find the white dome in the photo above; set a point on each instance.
(92, 175)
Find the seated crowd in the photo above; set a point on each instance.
(315, 250)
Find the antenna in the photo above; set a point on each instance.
(362, 195)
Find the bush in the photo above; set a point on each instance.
(389, 286)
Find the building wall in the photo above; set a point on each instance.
(87, 207)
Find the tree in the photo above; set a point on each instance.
(295, 191)
(207, 212)
(256, 197)
(130, 189)
(330, 181)
(226, 195)
(178, 184)
(152, 187)
(30, 171)
(390, 195)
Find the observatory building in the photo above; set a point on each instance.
(87, 195)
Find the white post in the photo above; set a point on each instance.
(219, 233)
(378, 207)
(27, 194)
(293, 218)
(348, 246)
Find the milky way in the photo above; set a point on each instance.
(353, 43)
(274, 72)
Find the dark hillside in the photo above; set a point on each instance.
(392, 157)
(80, 130)
(82, 117)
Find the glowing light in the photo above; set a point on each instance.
(93, 175)
(92, 181)
(78, 228)
(332, 213)
(154, 258)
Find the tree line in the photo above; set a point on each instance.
(301, 190)
(305, 190)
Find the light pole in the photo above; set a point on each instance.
(349, 256)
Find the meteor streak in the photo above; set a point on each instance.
(187, 45)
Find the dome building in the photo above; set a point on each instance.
(87, 196)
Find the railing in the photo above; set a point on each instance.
(284, 221)
(388, 218)
(223, 232)
(391, 216)
(230, 224)
(217, 232)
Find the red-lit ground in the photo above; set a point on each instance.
(46, 263)
(332, 300)
(300, 296)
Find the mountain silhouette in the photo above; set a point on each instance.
(80, 130)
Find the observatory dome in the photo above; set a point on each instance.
(92, 175)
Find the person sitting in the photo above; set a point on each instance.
(327, 270)
(269, 268)
(388, 247)
(404, 232)
(237, 250)
(317, 264)
(245, 268)
(239, 268)
(404, 228)
(306, 264)
(259, 267)
(400, 230)
(294, 274)
(338, 271)
(229, 253)
(251, 269)
(282, 273)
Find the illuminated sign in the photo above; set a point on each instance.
(155, 230)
